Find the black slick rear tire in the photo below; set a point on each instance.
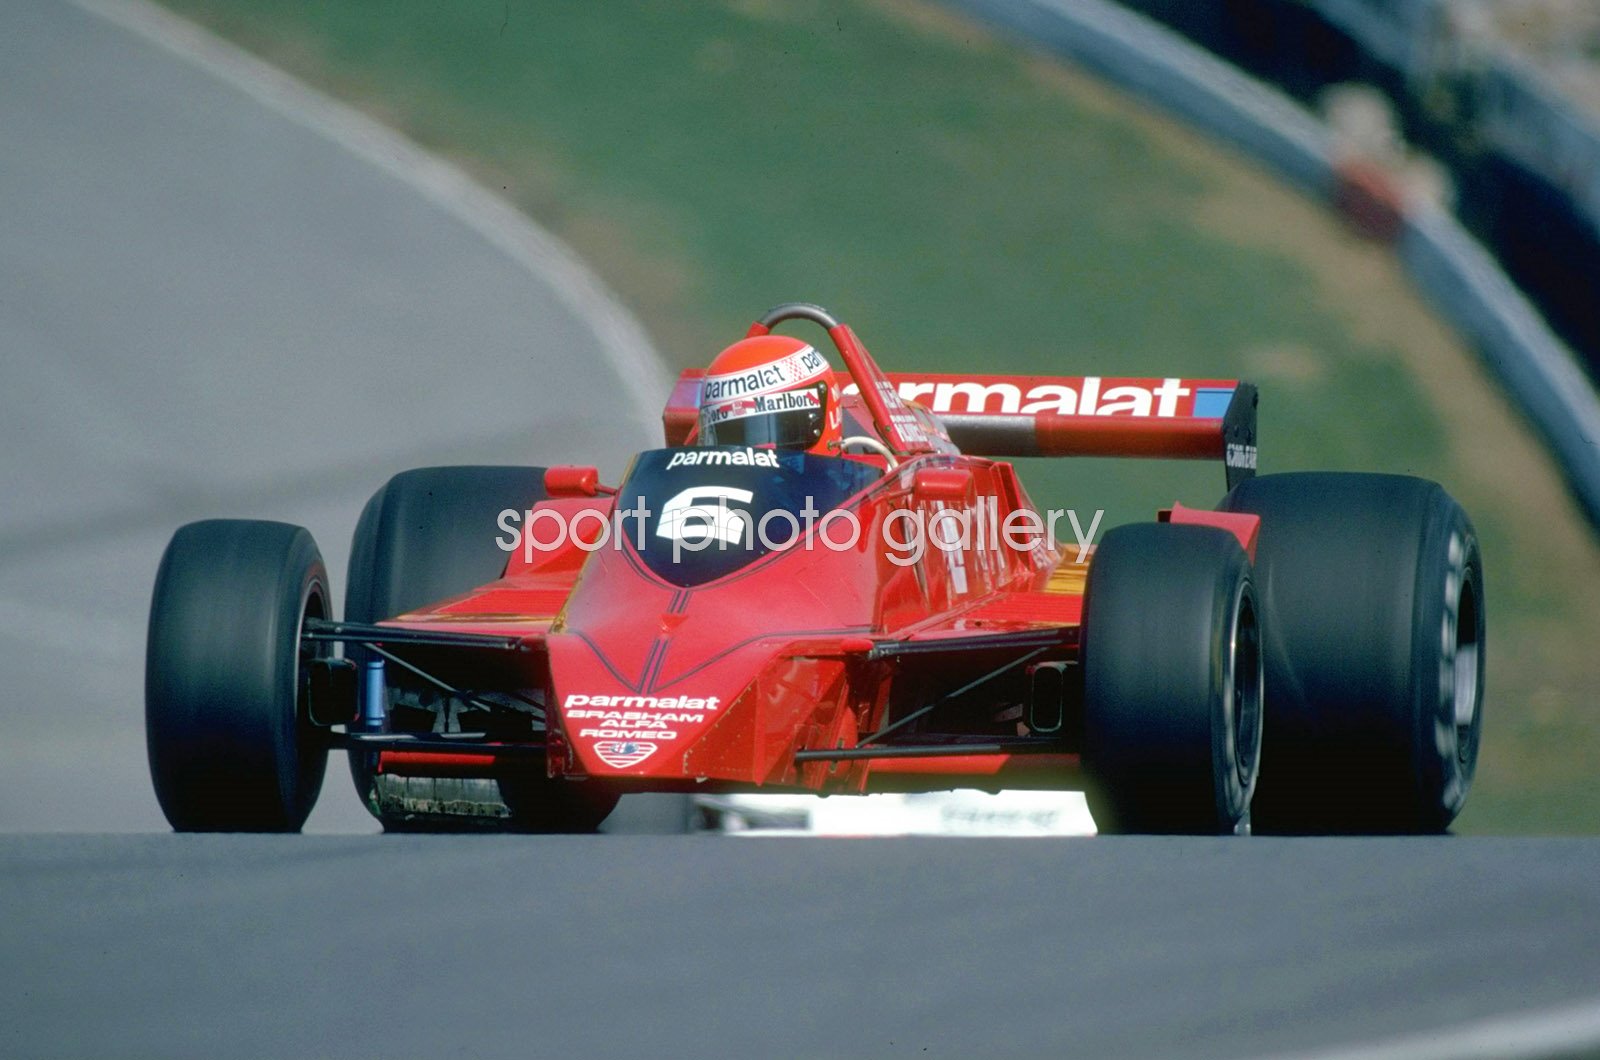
(1373, 599)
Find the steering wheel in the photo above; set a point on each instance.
(871, 444)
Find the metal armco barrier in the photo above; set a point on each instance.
(1513, 109)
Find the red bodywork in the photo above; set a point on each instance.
(659, 686)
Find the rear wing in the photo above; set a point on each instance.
(1027, 415)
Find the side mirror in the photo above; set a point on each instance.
(952, 485)
(571, 481)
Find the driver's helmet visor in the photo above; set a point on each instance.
(789, 419)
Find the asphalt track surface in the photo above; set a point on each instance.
(712, 946)
(207, 308)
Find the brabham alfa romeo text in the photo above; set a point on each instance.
(634, 717)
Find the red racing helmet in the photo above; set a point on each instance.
(771, 391)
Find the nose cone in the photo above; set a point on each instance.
(738, 716)
(722, 681)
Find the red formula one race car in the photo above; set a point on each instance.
(831, 589)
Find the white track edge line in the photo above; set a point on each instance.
(1556, 1032)
(623, 341)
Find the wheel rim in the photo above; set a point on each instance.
(1460, 664)
(1466, 674)
(1242, 707)
(307, 738)
(1247, 693)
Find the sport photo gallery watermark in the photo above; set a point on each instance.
(717, 517)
